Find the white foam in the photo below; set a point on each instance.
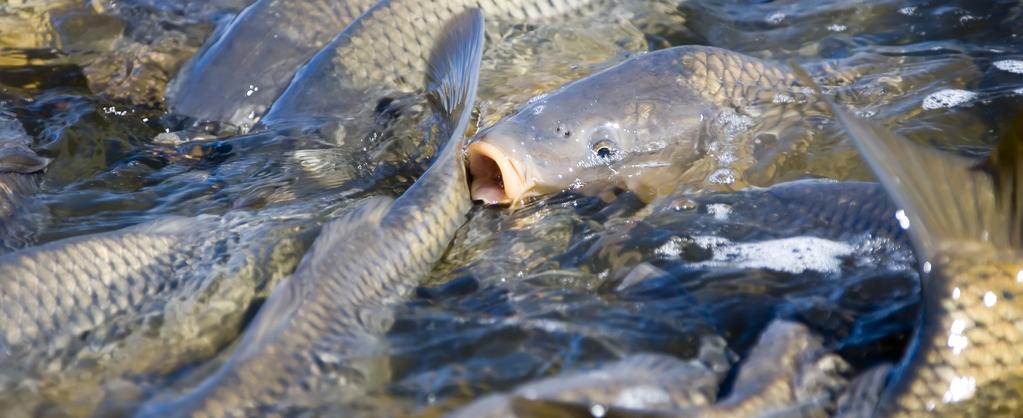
(637, 397)
(835, 27)
(790, 255)
(729, 125)
(948, 98)
(908, 10)
(670, 249)
(781, 98)
(1019, 91)
(968, 18)
(720, 211)
(775, 18)
(710, 241)
(722, 176)
(1012, 66)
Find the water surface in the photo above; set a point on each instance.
(568, 282)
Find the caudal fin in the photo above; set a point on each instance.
(944, 197)
(454, 69)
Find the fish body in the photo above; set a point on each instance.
(968, 362)
(20, 214)
(964, 219)
(310, 335)
(83, 317)
(344, 52)
(385, 53)
(266, 43)
(788, 373)
(639, 124)
(829, 209)
(647, 381)
(52, 294)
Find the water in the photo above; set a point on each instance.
(568, 282)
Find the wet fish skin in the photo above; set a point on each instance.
(385, 53)
(969, 363)
(787, 373)
(265, 44)
(964, 219)
(648, 381)
(639, 124)
(840, 210)
(270, 41)
(52, 293)
(311, 334)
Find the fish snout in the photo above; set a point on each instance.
(495, 178)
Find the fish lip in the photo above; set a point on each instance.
(495, 178)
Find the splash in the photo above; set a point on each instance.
(948, 98)
(788, 255)
(1012, 66)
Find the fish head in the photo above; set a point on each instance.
(609, 129)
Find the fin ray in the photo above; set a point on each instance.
(287, 296)
(944, 196)
(454, 68)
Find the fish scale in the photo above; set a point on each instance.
(978, 325)
(685, 113)
(321, 329)
(387, 49)
(59, 289)
(264, 32)
(964, 219)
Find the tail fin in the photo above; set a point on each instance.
(944, 197)
(454, 69)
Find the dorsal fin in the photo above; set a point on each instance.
(944, 197)
(288, 295)
(451, 83)
(454, 69)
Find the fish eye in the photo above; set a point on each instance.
(605, 149)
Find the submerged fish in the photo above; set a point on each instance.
(20, 214)
(964, 219)
(308, 339)
(648, 381)
(238, 76)
(640, 124)
(266, 43)
(837, 210)
(788, 373)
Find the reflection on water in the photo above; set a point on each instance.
(568, 282)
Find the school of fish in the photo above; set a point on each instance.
(90, 325)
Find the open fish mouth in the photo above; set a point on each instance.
(495, 178)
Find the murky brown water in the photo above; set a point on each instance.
(523, 294)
